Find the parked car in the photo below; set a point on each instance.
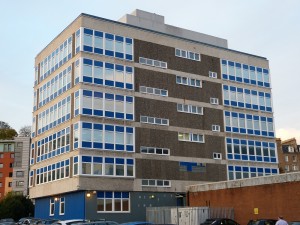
(46, 221)
(7, 221)
(294, 223)
(98, 222)
(262, 222)
(68, 222)
(137, 223)
(220, 221)
(27, 220)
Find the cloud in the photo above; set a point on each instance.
(287, 133)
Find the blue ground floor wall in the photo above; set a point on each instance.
(88, 205)
(74, 206)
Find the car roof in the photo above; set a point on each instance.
(136, 223)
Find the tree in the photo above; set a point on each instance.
(4, 125)
(15, 206)
(25, 131)
(6, 131)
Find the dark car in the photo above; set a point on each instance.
(294, 223)
(262, 222)
(137, 223)
(220, 221)
(7, 221)
(46, 221)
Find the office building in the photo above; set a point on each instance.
(128, 113)
(14, 165)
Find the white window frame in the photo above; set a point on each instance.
(146, 120)
(191, 137)
(213, 75)
(154, 150)
(217, 155)
(113, 204)
(286, 158)
(215, 128)
(214, 101)
(146, 90)
(189, 109)
(156, 183)
(153, 62)
(187, 54)
(52, 203)
(60, 205)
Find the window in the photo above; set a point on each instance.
(9, 184)
(294, 158)
(1, 165)
(105, 166)
(213, 74)
(156, 183)
(12, 155)
(61, 113)
(191, 137)
(187, 54)
(154, 120)
(113, 202)
(188, 81)
(152, 62)
(56, 59)
(153, 91)
(291, 149)
(55, 87)
(52, 207)
(56, 171)
(286, 158)
(216, 128)
(238, 72)
(190, 109)
(106, 105)
(217, 155)
(286, 168)
(214, 101)
(249, 124)
(8, 148)
(62, 206)
(10, 174)
(20, 183)
(295, 168)
(19, 144)
(154, 150)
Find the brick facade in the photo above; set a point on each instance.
(271, 200)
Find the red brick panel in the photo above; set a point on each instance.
(271, 200)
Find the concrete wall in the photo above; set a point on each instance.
(272, 196)
(156, 22)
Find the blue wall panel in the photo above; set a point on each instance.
(42, 207)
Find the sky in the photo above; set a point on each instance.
(268, 28)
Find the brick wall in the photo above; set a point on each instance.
(271, 200)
